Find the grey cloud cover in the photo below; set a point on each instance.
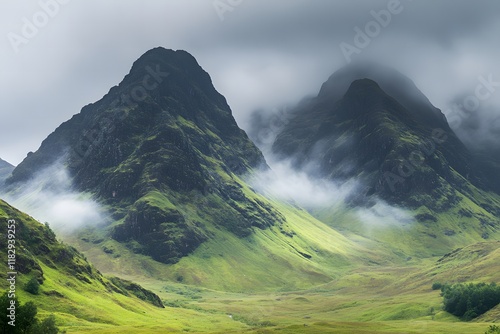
(262, 55)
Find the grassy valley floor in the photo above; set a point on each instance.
(366, 300)
(266, 284)
(372, 299)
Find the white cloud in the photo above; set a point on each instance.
(383, 215)
(286, 183)
(49, 197)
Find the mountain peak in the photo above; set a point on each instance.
(163, 87)
(162, 56)
(392, 82)
(162, 52)
(343, 77)
(362, 83)
(363, 87)
(161, 71)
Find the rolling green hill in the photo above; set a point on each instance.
(339, 289)
(78, 294)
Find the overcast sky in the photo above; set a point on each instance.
(259, 53)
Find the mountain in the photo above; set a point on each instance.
(164, 158)
(398, 146)
(397, 152)
(170, 167)
(5, 170)
(483, 155)
(154, 147)
(395, 84)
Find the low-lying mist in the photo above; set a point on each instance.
(284, 182)
(50, 197)
(301, 187)
(288, 184)
(383, 214)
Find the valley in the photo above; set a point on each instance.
(175, 223)
(366, 300)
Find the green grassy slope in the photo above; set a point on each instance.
(367, 299)
(372, 279)
(383, 299)
(300, 252)
(425, 233)
(79, 296)
(345, 286)
(377, 280)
